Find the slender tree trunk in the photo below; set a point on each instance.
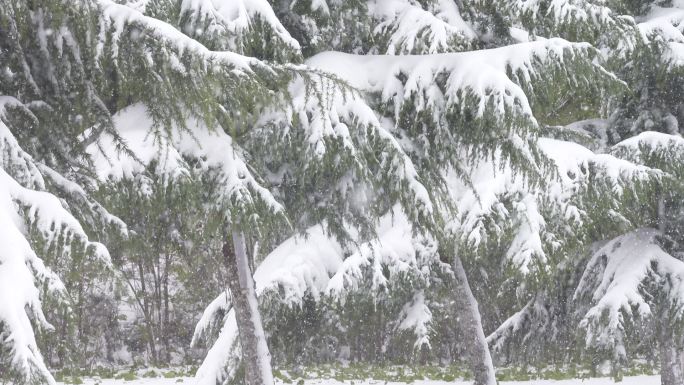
(147, 314)
(167, 311)
(670, 362)
(671, 370)
(255, 355)
(470, 324)
(155, 308)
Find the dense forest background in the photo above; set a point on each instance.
(388, 162)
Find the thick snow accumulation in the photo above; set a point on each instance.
(328, 113)
(638, 380)
(170, 151)
(483, 73)
(639, 146)
(416, 316)
(667, 25)
(493, 182)
(235, 17)
(299, 265)
(117, 16)
(407, 24)
(567, 11)
(616, 274)
(18, 293)
(23, 209)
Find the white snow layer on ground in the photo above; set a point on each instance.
(638, 380)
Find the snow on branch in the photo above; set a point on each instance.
(576, 164)
(411, 28)
(666, 25)
(613, 280)
(213, 318)
(25, 211)
(230, 23)
(301, 265)
(223, 359)
(15, 160)
(416, 317)
(497, 203)
(41, 210)
(339, 138)
(525, 327)
(577, 20)
(20, 269)
(649, 146)
(496, 84)
(394, 249)
(213, 150)
(482, 73)
(335, 105)
(114, 18)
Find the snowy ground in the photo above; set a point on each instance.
(639, 380)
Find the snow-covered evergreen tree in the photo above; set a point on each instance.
(634, 278)
(67, 65)
(514, 166)
(35, 223)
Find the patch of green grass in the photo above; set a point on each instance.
(172, 374)
(640, 369)
(449, 373)
(152, 374)
(75, 380)
(70, 376)
(357, 372)
(75, 375)
(104, 373)
(282, 376)
(126, 376)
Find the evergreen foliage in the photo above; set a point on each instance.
(363, 149)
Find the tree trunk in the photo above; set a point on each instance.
(167, 310)
(470, 324)
(670, 365)
(147, 314)
(255, 355)
(671, 370)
